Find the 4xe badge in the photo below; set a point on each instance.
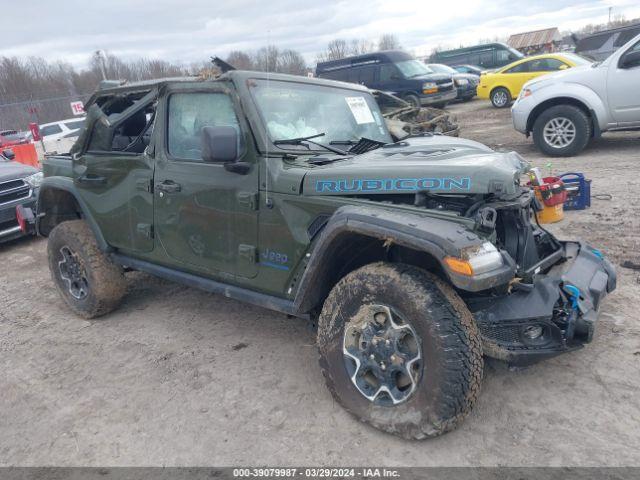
(272, 259)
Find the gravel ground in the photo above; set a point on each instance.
(181, 377)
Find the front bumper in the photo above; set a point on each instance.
(562, 304)
(466, 91)
(520, 113)
(439, 97)
(9, 227)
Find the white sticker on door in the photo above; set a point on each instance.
(360, 110)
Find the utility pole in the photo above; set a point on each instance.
(100, 57)
(610, 8)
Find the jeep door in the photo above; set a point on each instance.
(206, 217)
(623, 88)
(113, 171)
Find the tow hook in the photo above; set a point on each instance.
(573, 293)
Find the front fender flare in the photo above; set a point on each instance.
(66, 184)
(438, 237)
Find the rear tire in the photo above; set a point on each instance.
(437, 370)
(562, 131)
(88, 281)
(500, 97)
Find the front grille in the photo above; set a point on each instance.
(13, 190)
(444, 85)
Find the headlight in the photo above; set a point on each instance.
(524, 93)
(476, 260)
(462, 81)
(429, 85)
(34, 180)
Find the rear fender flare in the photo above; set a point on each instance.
(65, 184)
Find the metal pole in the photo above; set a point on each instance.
(100, 58)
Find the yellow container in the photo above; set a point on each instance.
(549, 214)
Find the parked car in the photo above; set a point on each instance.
(485, 56)
(466, 84)
(505, 84)
(19, 186)
(566, 109)
(9, 138)
(59, 137)
(395, 72)
(470, 69)
(414, 257)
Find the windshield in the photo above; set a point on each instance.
(577, 59)
(413, 68)
(294, 110)
(439, 68)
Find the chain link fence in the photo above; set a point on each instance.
(17, 112)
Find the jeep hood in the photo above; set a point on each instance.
(436, 164)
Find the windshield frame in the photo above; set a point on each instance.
(261, 131)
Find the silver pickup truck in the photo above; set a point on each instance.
(564, 110)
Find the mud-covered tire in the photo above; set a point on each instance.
(103, 281)
(575, 117)
(452, 364)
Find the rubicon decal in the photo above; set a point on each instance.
(461, 184)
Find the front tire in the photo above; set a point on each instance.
(87, 280)
(414, 100)
(500, 97)
(400, 350)
(562, 131)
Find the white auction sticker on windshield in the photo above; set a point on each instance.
(360, 110)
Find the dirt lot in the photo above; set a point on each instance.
(181, 377)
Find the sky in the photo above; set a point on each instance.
(187, 31)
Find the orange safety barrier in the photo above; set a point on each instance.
(26, 153)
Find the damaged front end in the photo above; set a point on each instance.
(551, 304)
(549, 313)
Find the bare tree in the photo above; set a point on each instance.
(292, 62)
(266, 59)
(240, 60)
(360, 46)
(618, 20)
(336, 49)
(388, 41)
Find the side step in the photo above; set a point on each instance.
(230, 291)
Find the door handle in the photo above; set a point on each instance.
(169, 186)
(90, 179)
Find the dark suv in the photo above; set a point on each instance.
(395, 72)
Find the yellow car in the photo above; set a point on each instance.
(503, 85)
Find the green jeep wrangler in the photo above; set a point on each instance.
(415, 256)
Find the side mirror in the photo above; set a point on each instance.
(563, 67)
(220, 144)
(8, 154)
(630, 59)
